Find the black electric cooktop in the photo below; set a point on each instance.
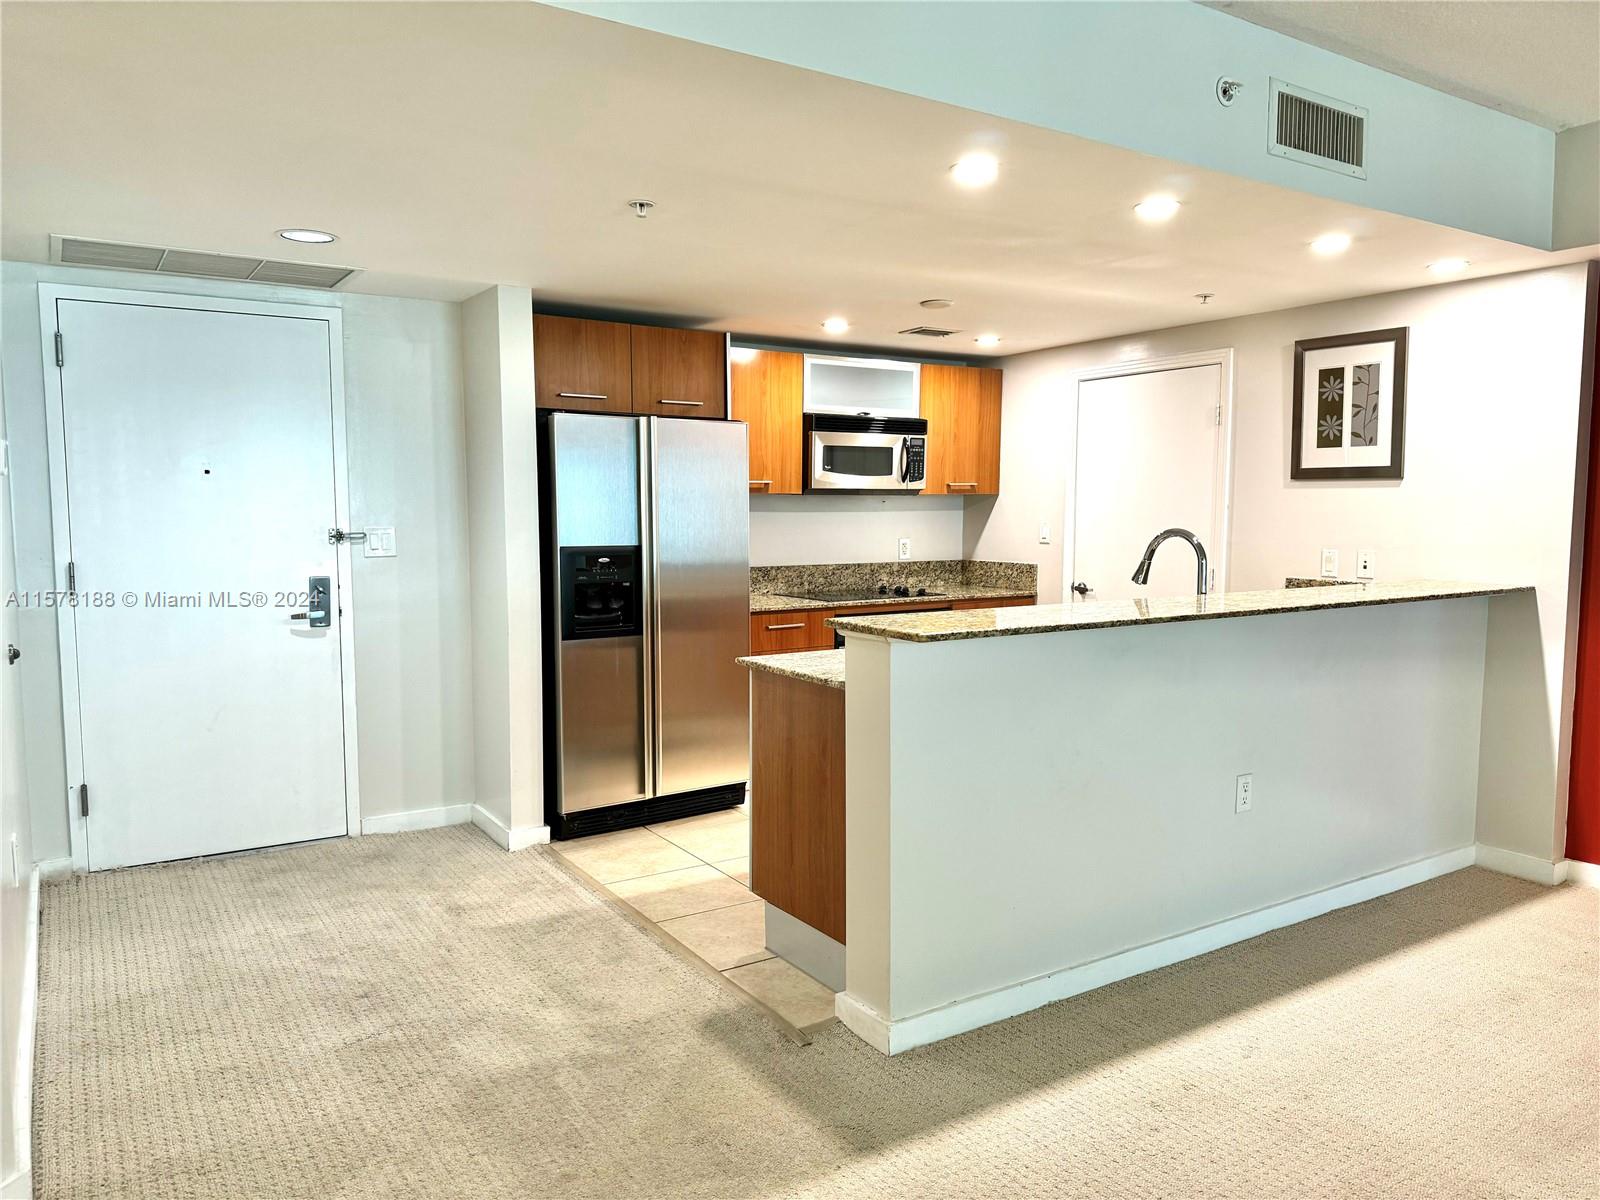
(881, 592)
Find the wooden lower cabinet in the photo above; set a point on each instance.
(797, 799)
(781, 632)
(808, 629)
(1007, 602)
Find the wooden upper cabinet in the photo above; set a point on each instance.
(581, 365)
(766, 395)
(679, 372)
(962, 408)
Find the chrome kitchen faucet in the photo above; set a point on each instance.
(1141, 574)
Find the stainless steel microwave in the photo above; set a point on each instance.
(865, 454)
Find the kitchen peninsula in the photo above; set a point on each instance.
(1043, 800)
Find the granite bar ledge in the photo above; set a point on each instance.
(825, 667)
(1114, 614)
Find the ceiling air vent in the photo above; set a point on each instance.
(167, 260)
(929, 331)
(1317, 130)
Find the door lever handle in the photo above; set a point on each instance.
(1081, 588)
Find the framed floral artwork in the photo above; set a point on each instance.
(1349, 416)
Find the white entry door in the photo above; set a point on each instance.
(1149, 458)
(199, 456)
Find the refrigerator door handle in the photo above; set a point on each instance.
(650, 624)
(652, 621)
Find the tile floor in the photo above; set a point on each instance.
(691, 878)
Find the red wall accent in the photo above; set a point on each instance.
(1583, 802)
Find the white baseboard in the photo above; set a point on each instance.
(893, 1037)
(54, 868)
(418, 818)
(519, 838)
(1584, 874)
(20, 1183)
(1523, 866)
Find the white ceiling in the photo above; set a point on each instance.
(1534, 59)
(456, 145)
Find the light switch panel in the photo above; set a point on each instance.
(1330, 564)
(380, 541)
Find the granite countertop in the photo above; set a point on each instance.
(765, 602)
(1112, 614)
(812, 666)
(774, 589)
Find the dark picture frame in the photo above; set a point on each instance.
(1396, 397)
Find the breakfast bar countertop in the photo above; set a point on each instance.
(1112, 614)
(809, 666)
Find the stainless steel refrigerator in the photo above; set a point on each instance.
(645, 523)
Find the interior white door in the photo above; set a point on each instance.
(1148, 460)
(200, 486)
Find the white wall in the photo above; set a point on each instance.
(1112, 826)
(847, 529)
(1492, 410)
(505, 631)
(406, 438)
(1576, 217)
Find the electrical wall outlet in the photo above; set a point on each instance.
(1330, 563)
(380, 541)
(905, 548)
(1243, 792)
(1044, 535)
(1364, 568)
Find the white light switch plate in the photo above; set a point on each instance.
(380, 541)
(1364, 564)
(1330, 564)
(1044, 535)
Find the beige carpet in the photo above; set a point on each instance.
(425, 1015)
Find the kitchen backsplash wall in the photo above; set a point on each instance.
(941, 573)
(852, 529)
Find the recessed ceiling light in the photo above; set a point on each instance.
(1449, 266)
(313, 236)
(1330, 244)
(1157, 208)
(975, 170)
(835, 325)
(987, 339)
(936, 302)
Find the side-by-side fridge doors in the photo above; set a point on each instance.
(701, 600)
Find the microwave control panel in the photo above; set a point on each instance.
(916, 457)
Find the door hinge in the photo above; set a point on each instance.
(72, 578)
(61, 360)
(1219, 415)
(83, 799)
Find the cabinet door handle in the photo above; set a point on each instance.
(582, 396)
(761, 482)
(791, 625)
(953, 484)
(685, 403)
